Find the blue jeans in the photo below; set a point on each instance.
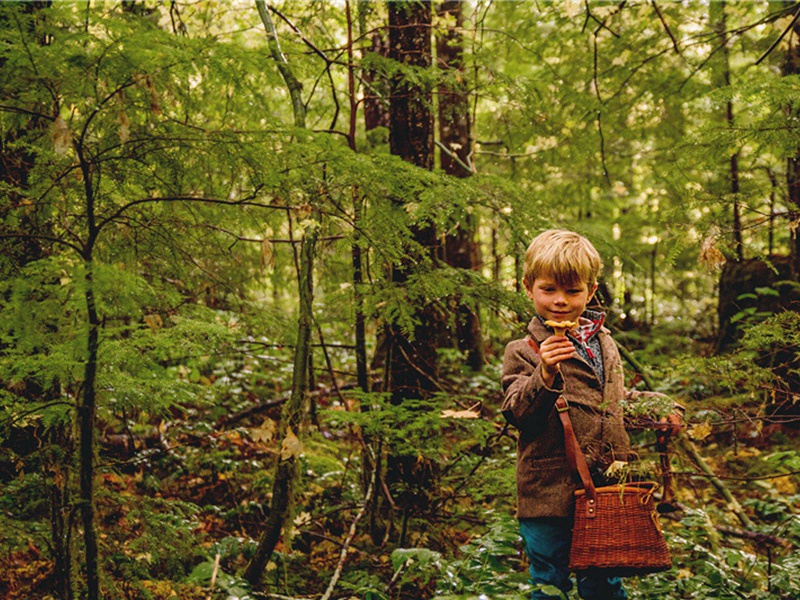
(547, 541)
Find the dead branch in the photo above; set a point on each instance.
(760, 538)
(350, 535)
(733, 503)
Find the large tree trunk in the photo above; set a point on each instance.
(460, 248)
(412, 362)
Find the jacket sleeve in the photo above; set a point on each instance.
(527, 401)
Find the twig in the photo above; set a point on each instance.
(397, 573)
(627, 355)
(213, 576)
(350, 535)
(469, 169)
(666, 28)
(780, 37)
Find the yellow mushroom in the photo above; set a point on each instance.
(561, 327)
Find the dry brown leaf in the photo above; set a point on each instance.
(291, 446)
(265, 433)
(62, 136)
(124, 128)
(267, 254)
(459, 414)
(154, 322)
(700, 431)
(710, 255)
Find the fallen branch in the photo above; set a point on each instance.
(759, 538)
(214, 576)
(350, 535)
(733, 503)
(267, 404)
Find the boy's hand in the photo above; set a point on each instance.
(553, 351)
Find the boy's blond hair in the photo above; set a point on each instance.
(565, 256)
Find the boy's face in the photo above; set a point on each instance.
(559, 303)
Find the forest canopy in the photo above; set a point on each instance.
(260, 261)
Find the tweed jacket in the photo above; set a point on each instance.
(545, 482)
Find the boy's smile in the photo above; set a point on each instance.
(557, 302)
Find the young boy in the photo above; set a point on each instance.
(560, 277)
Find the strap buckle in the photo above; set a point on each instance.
(562, 405)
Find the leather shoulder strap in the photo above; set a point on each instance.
(575, 457)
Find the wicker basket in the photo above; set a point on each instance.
(619, 530)
(616, 527)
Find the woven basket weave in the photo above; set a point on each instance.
(619, 531)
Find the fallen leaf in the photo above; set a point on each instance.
(265, 433)
(291, 447)
(459, 414)
(62, 136)
(700, 431)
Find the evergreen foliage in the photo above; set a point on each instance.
(154, 192)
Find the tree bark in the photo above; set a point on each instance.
(460, 248)
(720, 20)
(412, 360)
(286, 474)
(86, 423)
(410, 118)
(412, 363)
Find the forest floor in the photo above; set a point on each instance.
(181, 503)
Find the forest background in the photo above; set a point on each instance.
(260, 261)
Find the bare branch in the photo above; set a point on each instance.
(666, 28)
(780, 37)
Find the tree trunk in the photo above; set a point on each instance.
(719, 19)
(286, 473)
(412, 362)
(410, 119)
(86, 426)
(792, 67)
(376, 92)
(291, 420)
(460, 249)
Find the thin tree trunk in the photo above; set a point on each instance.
(358, 277)
(461, 250)
(720, 20)
(792, 67)
(86, 418)
(286, 473)
(292, 84)
(58, 492)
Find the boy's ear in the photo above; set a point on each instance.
(592, 290)
(528, 291)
